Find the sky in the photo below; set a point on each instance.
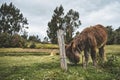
(92, 12)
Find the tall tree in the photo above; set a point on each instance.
(11, 20)
(55, 24)
(71, 22)
(67, 23)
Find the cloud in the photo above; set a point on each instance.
(107, 15)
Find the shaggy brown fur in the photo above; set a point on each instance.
(88, 40)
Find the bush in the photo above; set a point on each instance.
(33, 45)
(17, 41)
(5, 40)
(25, 45)
(113, 66)
(112, 61)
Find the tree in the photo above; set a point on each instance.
(67, 23)
(11, 20)
(55, 24)
(72, 22)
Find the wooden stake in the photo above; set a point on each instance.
(60, 35)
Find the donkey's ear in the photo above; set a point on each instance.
(73, 45)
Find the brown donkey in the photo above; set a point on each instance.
(88, 41)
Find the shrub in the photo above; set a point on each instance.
(25, 45)
(5, 40)
(112, 61)
(17, 41)
(33, 45)
(113, 66)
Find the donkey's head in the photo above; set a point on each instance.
(72, 54)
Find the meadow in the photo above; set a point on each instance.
(38, 64)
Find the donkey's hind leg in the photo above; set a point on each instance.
(102, 54)
(94, 56)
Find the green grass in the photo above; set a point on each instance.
(20, 51)
(41, 66)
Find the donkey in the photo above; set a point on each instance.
(88, 40)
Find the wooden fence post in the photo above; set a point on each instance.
(60, 35)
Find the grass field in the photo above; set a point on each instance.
(36, 64)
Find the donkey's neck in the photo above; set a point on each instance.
(80, 43)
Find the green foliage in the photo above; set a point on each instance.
(11, 20)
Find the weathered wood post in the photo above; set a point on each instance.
(60, 35)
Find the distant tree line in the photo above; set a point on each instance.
(13, 27)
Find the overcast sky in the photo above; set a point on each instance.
(39, 12)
